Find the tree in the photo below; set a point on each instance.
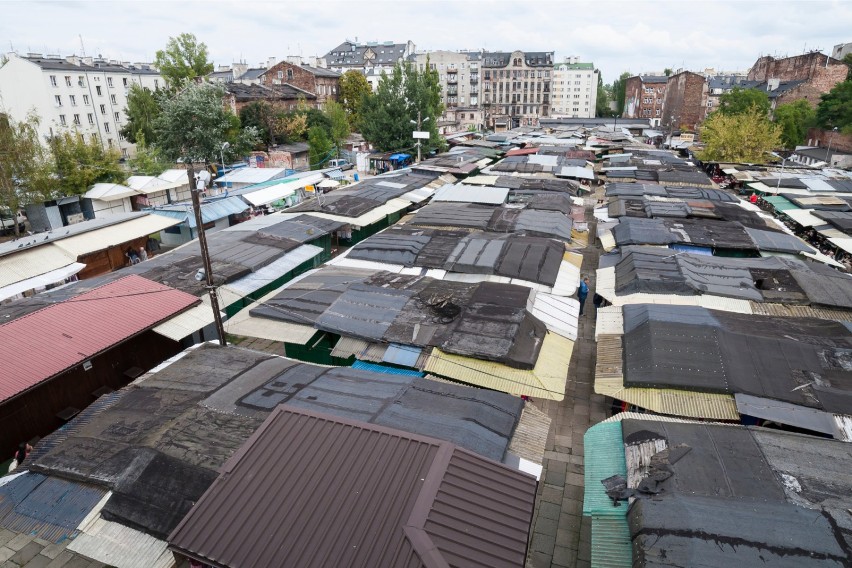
(387, 116)
(262, 116)
(835, 108)
(193, 125)
(82, 162)
(619, 92)
(794, 119)
(847, 59)
(667, 71)
(745, 137)
(353, 88)
(141, 112)
(319, 147)
(149, 160)
(184, 58)
(602, 102)
(26, 171)
(339, 130)
(740, 101)
(291, 126)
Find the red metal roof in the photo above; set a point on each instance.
(309, 489)
(522, 151)
(40, 345)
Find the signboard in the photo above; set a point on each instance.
(309, 188)
(421, 134)
(684, 137)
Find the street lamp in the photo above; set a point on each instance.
(419, 124)
(783, 161)
(224, 147)
(828, 151)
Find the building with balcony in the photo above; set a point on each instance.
(575, 89)
(85, 95)
(516, 88)
(373, 59)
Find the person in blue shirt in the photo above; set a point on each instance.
(583, 293)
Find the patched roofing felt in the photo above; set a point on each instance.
(397, 501)
(454, 215)
(303, 228)
(63, 335)
(797, 360)
(730, 496)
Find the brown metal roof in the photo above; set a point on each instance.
(310, 489)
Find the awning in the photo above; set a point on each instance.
(188, 322)
(45, 279)
(334, 175)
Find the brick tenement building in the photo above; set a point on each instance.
(644, 96)
(282, 97)
(324, 83)
(818, 72)
(685, 105)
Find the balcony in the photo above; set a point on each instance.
(452, 70)
(451, 92)
(452, 79)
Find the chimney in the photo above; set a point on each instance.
(294, 60)
(239, 69)
(772, 84)
(87, 60)
(73, 60)
(270, 62)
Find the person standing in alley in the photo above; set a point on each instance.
(583, 293)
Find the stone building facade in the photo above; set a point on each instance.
(516, 87)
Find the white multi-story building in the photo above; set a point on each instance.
(78, 94)
(458, 75)
(575, 89)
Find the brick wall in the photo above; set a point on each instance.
(325, 88)
(641, 104)
(685, 104)
(820, 72)
(820, 137)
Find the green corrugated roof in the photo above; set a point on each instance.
(780, 203)
(604, 457)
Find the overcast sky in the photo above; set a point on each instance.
(616, 36)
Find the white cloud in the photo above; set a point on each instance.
(616, 36)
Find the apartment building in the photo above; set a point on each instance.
(459, 77)
(373, 59)
(81, 94)
(516, 87)
(644, 96)
(575, 89)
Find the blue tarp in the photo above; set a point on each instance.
(692, 249)
(364, 366)
(399, 157)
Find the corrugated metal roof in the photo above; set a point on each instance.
(33, 262)
(604, 457)
(100, 239)
(252, 175)
(471, 194)
(281, 190)
(110, 192)
(210, 210)
(46, 507)
(63, 335)
(609, 381)
(609, 321)
(370, 217)
(804, 217)
(246, 325)
(780, 203)
(376, 368)
(558, 314)
(546, 380)
(274, 270)
(188, 322)
(46, 279)
(117, 545)
(333, 492)
(790, 311)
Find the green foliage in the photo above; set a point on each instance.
(262, 116)
(81, 163)
(339, 124)
(667, 71)
(847, 59)
(619, 92)
(149, 161)
(184, 58)
(194, 124)
(353, 88)
(386, 116)
(745, 137)
(26, 171)
(794, 119)
(835, 108)
(602, 102)
(143, 107)
(317, 118)
(319, 147)
(741, 101)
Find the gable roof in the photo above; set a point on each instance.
(63, 335)
(334, 492)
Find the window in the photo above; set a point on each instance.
(289, 74)
(124, 152)
(81, 81)
(73, 100)
(58, 100)
(281, 74)
(91, 118)
(62, 119)
(94, 137)
(106, 126)
(53, 80)
(98, 91)
(77, 119)
(116, 117)
(156, 84)
(86, 100)
(124, 81)
(112, 99)
(103, 109)
(68, 80)
(109, 142)
(109, 81)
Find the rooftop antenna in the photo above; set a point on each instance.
(82, 47)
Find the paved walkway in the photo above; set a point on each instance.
(560, 536)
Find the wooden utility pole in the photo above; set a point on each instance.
(205, 254)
